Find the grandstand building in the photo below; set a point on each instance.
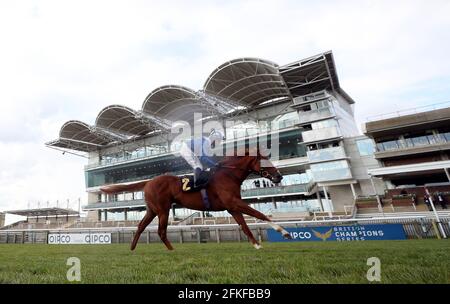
(324, 159)
(2, 219)
(414, 152)
(40, 218)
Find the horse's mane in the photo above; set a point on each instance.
(238, 154)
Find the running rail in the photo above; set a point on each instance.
(191, 227)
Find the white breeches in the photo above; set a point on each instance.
(189, 156)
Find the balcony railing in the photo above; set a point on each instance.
(411, 111)
(332, 175)
(321, 134)
(239, 136)
(315, 115)
(117, 204)
(326, 154)
(412, 142)
(130, 157)
(291, 189)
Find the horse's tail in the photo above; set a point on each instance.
(122, 188)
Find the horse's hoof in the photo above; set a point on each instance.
(257, 246)
(287, 236)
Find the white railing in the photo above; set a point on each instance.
(409, 111)
(385, 219)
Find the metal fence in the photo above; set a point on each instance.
(419, 227)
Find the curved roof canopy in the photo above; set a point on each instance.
(234, 86)
(313, 74)
(76, 130)
(248, 81)
(124, 120)
(78, 135)
(174, 103)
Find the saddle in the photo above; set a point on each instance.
(187, 185)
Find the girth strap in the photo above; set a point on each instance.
(205, 199)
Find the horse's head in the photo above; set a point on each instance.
(261, 165)
(252, 161)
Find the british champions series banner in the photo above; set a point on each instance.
(341, 233)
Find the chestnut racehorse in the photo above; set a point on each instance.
(223, 189)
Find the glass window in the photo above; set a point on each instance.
(431, 139)
(324, 124)
(420, 141)
(446, 136)
(390, 145)
(365, 146)
(409, 142)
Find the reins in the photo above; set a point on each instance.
(262, 172)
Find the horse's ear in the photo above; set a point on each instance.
(247, 151)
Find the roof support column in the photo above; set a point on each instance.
(328, 201)
(353, 190)
(319, 199)
(447, 173)
(438, 220)
(380, 207)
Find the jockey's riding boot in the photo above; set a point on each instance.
(197, 173)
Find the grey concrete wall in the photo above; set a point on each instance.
(374, 128)
(340, 196)
(359, 166)
(359, 163)
(344, 103)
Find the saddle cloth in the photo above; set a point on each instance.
(187, 182)
(187, 185)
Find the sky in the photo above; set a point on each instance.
(63, 60)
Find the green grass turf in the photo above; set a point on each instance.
(412, 261)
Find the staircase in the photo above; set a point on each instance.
(190, 219)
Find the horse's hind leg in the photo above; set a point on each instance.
(239, 218)
(244, 208)
(148, 218)
(162, 228)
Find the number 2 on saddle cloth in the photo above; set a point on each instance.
(187, 185)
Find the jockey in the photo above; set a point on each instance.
(198, 152)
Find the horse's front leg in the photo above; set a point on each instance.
(241, 221)
(240, 205)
